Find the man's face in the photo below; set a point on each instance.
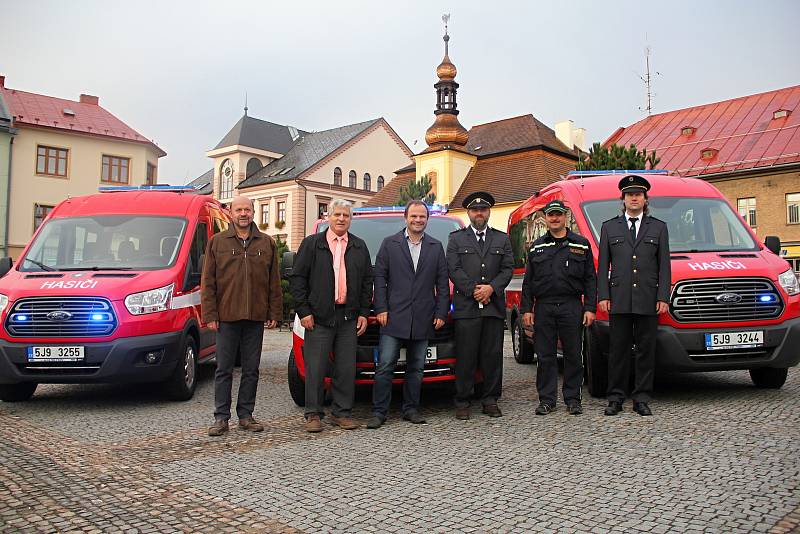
(634, 201)
(479, 217)
(242, 211)
(339, 220)
(556, 220)
(416, 219)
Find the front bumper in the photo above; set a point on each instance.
(117, 361)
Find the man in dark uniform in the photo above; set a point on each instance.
(559, 271)
(634, 293)
(480, 262)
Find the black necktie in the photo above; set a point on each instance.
(633, 228)
(480, 240)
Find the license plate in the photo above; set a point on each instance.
(55, 354)
(735, 340)
(430, 355)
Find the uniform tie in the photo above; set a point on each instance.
(480, 240)
(633, 228)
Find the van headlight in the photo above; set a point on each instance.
(3, 302)
(789, 283)
(154, 300)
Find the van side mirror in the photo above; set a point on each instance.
(287, 262)
(773, 244)
(5, 265)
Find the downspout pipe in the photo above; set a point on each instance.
(8, 194)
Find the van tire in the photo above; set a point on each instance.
(769, 377)
(596, 363)
(181, 385)
(523, 350)
(297, 386)
(17, 392)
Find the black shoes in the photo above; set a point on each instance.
(414, 417)
(613, 408)
(375, 422)
(462, 414)
(544, 409)
(574, 407)
(642, 409)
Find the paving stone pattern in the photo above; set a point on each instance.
(719, 456)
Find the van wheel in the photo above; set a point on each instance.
(297, 386)
(596, 364)
(523, 350)
(769, 377)
(181, 385)
(17, 392)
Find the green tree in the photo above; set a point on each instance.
(617, 157)
(417, 190)
(288, 302)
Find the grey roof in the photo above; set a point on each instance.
(256, 133)
(5, 115)
(203, 183)
(310, 149)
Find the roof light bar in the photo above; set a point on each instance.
(433, 209)
(174, 188)
(619, 171)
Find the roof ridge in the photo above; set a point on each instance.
(369, 122)
(503, 120)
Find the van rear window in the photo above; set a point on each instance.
(105, 242)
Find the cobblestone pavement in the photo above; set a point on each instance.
(719, 456)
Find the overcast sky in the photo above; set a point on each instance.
(177, 72)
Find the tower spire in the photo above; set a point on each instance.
(245, 103)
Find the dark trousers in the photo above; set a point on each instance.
(479, 345)
(625, 330)
(412, 383)
(553, 321)
(341, 339)
(233, 338)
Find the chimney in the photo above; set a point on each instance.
(2, 81)
(89, 99)
(579, 139)
(570, 136)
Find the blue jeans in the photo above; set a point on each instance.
(415, 362)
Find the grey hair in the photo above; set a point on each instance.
(340, 203)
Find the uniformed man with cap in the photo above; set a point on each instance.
(559, 272)
(480, 263)
(634, 291)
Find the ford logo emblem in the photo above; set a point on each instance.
(59, 315)
(728, 298)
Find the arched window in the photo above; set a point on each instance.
(337, 176)
(353, 179)
(380, 183)
(367, 182)
(253, 166)
(226, 179)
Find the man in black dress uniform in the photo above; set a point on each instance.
(480, 263)
(634, 293)
(559, 271)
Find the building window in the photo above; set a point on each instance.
(353, 179)
(40, 212)
(226, 179)
(282, 212)
(380, 183)
(265, 214)
(337, 176)
(151, 174)
(253, 166)
(322, 210)
(367, 182)
(747, 209)
(793, 208)
(51, 161)
(115, 169)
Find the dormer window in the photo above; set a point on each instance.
(68, 112)
(688, 130)
(709, 153)
(780, 114)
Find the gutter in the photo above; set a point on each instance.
(8, 194)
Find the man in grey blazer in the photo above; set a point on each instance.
(634, 292)
(412, 295)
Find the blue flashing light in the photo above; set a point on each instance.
(21, 318)
(618, 171)
(174, 188)
(97, 317)
(433, 209)
(766, 298)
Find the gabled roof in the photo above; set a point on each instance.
(309, 150)
(264, 135)
(515, 133)
(735, 134)
(390, 193)
(32, 109)
(202, 183)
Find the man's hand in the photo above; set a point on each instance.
(437, 323)
(588, 318)
(361, 325)
(527, 319)
(383, 318)
(662, 307)
(272, 324)
(604, 306)
(483, 293)
(307, 322)
(213, 325)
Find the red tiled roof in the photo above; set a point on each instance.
(31, 109)
(742, 131)
(389, 195)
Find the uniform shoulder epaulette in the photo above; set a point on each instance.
(655, 219)
(612, 219)
(459, 230)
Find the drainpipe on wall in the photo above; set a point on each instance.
(305, 205)
(8, 197)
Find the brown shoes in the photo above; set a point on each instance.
(313, 424)
(462, 414)
(344, 422)
(492, 410)
(219, 428)
(250, 424)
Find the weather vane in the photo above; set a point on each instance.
(445, 19)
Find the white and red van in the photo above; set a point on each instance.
(108, 291)
(734, 304)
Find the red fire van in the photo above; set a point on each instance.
(734, 304)
(372, 225)
(108, 291)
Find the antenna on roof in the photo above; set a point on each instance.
(648, 81)
(245, 103)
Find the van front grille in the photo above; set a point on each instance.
(725, 300)
(61, 317)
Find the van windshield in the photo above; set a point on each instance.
(373, 229)
(105, 242)
(694, 224)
